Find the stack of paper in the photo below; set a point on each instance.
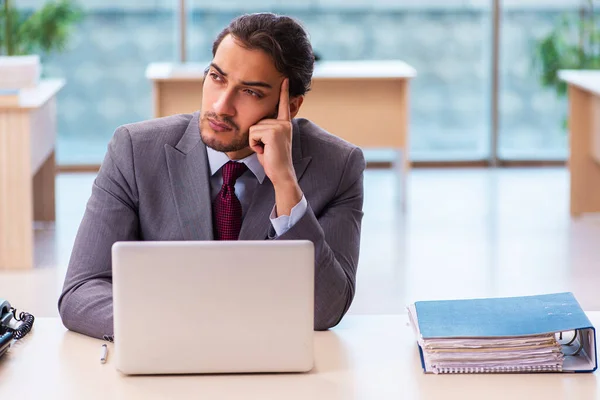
(515, 334)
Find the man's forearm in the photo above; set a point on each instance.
(88, 308)
(334, 280)
(286, 197)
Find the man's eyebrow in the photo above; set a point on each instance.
(258, 84)
(245, 83)
(215, 66)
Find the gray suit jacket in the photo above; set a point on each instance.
(154, 185)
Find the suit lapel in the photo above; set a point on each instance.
(256, 223)
(189, 174)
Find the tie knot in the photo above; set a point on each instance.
(231, 171)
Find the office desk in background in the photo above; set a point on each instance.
(27, 170)
(584, 139)
(363, 102)
(365, 357)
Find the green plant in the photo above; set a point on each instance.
(43, 31)
(574, 43)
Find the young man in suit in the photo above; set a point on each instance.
(241, 168)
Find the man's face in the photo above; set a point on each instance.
(241, 88)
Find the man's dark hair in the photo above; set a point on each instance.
(282, 38)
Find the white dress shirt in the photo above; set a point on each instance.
(245, 186)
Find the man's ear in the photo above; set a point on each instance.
(295, 103)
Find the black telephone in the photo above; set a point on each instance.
(11, 326)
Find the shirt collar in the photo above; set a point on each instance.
(217, 159)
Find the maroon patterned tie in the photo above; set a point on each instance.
(227, 210)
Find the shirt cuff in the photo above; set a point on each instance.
(283, 223)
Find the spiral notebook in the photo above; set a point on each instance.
(543, 333)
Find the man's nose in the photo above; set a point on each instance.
(224, 104)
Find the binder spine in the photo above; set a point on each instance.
(495, 370)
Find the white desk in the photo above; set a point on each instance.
(363, 102)
(584, 139)
(365, 357)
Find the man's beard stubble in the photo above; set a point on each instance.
(239, 143)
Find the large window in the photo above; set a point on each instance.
(532, 117)
(449, 43)
(446, 41)
(104, 70)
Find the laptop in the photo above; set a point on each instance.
(191, 307)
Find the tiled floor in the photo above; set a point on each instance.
(467, 233)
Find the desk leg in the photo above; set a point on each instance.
(585, 172)
(403, 151)
(402, 167)
(156, 99)
(16, 209)
(44, 208)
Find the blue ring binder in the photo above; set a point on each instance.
(509, 334)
